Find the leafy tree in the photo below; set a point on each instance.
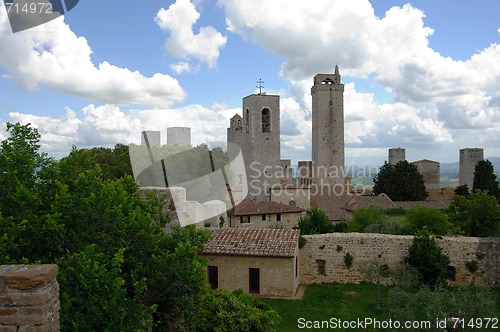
(315, 222)
(428, 260)
(433, 219)
(462, 190)
(364, 217)
(223, 311)
(401, 182)
(485, 178)
(477, 214)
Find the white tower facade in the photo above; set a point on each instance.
(328, 130)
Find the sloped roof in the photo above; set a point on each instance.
(381, 201)
(443, 204)
(440, 194)
(425, 161)
(249, 207)
(236, 117)
(331, 205)
(253, 242)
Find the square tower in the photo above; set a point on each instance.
(257, 133)
(328, 131)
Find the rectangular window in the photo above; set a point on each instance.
(321, 266)
(278, 216)
(254, 281)
(213, 276)
(263, 217)
(244, 219)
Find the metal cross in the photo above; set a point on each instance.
(260, 86)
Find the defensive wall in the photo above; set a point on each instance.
(322, 258)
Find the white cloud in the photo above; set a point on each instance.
(51, 56)
(182, 42)
(434, 95)
(180, 67)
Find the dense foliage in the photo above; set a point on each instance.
(315, 222)
(401, 182)
(485, 178)
(427, 259)
(477, 214)
(119, 269)
(430, 218)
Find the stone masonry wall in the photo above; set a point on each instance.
(29, 298)
(328, 250)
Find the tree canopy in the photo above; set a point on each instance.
(485, 178)
(315, 222)
(118, 268)
(401, 182)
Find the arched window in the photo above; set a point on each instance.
(239, 123)
(266, 120)
(292, 203)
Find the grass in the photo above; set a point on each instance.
(343, 301)
(324, 301)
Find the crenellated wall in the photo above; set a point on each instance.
(29, 298)
(329, 250)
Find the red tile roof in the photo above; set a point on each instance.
(253, 242)
(249, 207)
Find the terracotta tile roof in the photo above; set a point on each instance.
(425, 161)
(331, 205)
(253, 242)
(440, 194)
(236, 117)
(248, 207)
(381, 201)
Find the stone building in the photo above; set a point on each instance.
(328, 130)
(396, 155)
(264, 263)
(291, 194)
(468, 160)
(180, 136)
(257, 134)
(430, 172)
(251, 214)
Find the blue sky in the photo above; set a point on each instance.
(424, 75)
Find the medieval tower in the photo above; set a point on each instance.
(468, 161)
(257, 133)
(328, 130)
(396, 155)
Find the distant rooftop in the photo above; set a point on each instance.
(249, 207)
(253, 242)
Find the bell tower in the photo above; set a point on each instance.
(328, 130)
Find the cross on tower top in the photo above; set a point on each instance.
(260, 86)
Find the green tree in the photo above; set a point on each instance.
(225, 311)
(433, 219)
(427, 258)
(315, 222)
(485, 178)
(462, 190)
(477, 214)
(401, 182)
(364, 217)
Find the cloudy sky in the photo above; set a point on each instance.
(423, 75)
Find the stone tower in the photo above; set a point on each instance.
(396, 155)
(179, 136)
(257, 133)
(468, 161)
(328, 131)
(151, 138)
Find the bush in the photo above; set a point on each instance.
(422, 216)
(340, 227)
(315, 222)
(364, 217)
(348, 259)
(428, 260)
(385, 227)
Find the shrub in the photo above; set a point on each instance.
(348, 259)
(422, 216)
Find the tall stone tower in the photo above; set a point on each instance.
(468, 160)
(396, 155)
(328, 130)
(257, 133)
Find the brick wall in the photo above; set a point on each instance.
(29, 298)
(329, 250)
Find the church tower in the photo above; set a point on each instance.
(257, 132)
(328, 131)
